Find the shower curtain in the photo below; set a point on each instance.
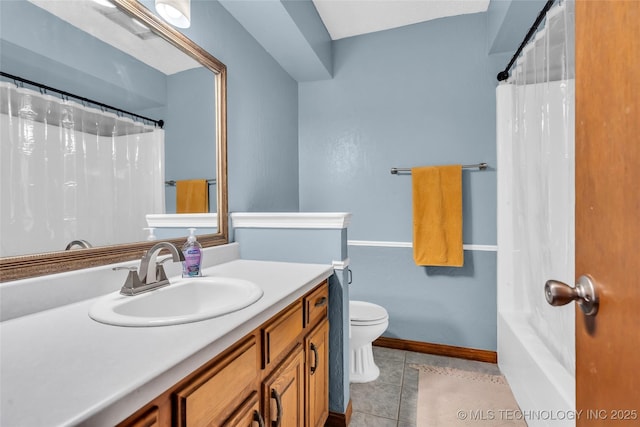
(535, 127)
(71, 172)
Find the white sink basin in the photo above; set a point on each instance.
(186, 300)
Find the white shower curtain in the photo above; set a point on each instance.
(536, 159)
(70, 172)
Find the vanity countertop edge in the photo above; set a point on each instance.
(60, 367)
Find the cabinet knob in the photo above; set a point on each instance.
(321, 301)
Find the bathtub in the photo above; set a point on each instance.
(542, 386)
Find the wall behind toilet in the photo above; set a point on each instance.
(416, 95)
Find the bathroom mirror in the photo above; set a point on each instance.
(181, 141)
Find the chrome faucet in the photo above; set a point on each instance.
(151, 274)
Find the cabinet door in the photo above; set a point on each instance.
(317, 375)
(316, 305)
(248, 415)
(150, 418)
(281, 333)
(210, 397)
(283, 392)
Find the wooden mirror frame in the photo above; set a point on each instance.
(25, 266)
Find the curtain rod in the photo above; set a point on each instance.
(481, 166)
(173, 183)
(504, 75)
(159, 123)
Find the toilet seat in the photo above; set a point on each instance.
(365, 313)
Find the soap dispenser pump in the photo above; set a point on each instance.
(151, 235)
(192, 251)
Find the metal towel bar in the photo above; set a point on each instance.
(481, 166)
(172, 183)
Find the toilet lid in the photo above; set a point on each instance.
(365, 312)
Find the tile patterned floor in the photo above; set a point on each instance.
(390, 401)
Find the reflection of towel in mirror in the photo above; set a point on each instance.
(437, 216)
(192, 196)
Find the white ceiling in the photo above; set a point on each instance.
(346, 18)
(342, 18)
(114, 27)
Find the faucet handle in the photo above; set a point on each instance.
(132, 283)
(161, 275)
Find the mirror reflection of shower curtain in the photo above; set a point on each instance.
(71, 172)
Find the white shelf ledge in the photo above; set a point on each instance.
(314, 220)
(197, 220)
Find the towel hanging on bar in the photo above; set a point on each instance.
(192, 196)
(437, 216)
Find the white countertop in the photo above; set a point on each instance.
(60, 367)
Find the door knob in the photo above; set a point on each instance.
(559, 293)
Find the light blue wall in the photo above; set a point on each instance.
(292, 245)
(189, 152)
(451, 306)
(496, 13)
(509, 21)
(262, 112)
(291, 31)
(418, 95)
(306, 17)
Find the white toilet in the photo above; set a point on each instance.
(368, 322)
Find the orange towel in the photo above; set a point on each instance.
(192, 196)
(437, 216)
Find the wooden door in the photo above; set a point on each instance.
(283, 392)
(317, 371)
(608, 209)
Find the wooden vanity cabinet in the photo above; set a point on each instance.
(211, 396)
(275, 376)
(317, 375)
(316, 304)
(280, 334)
(283, 392)
(150, 418)
(247, 415)
(316, 345)
(290, 392)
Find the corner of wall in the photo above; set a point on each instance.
(295, 38)
(508, 23)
